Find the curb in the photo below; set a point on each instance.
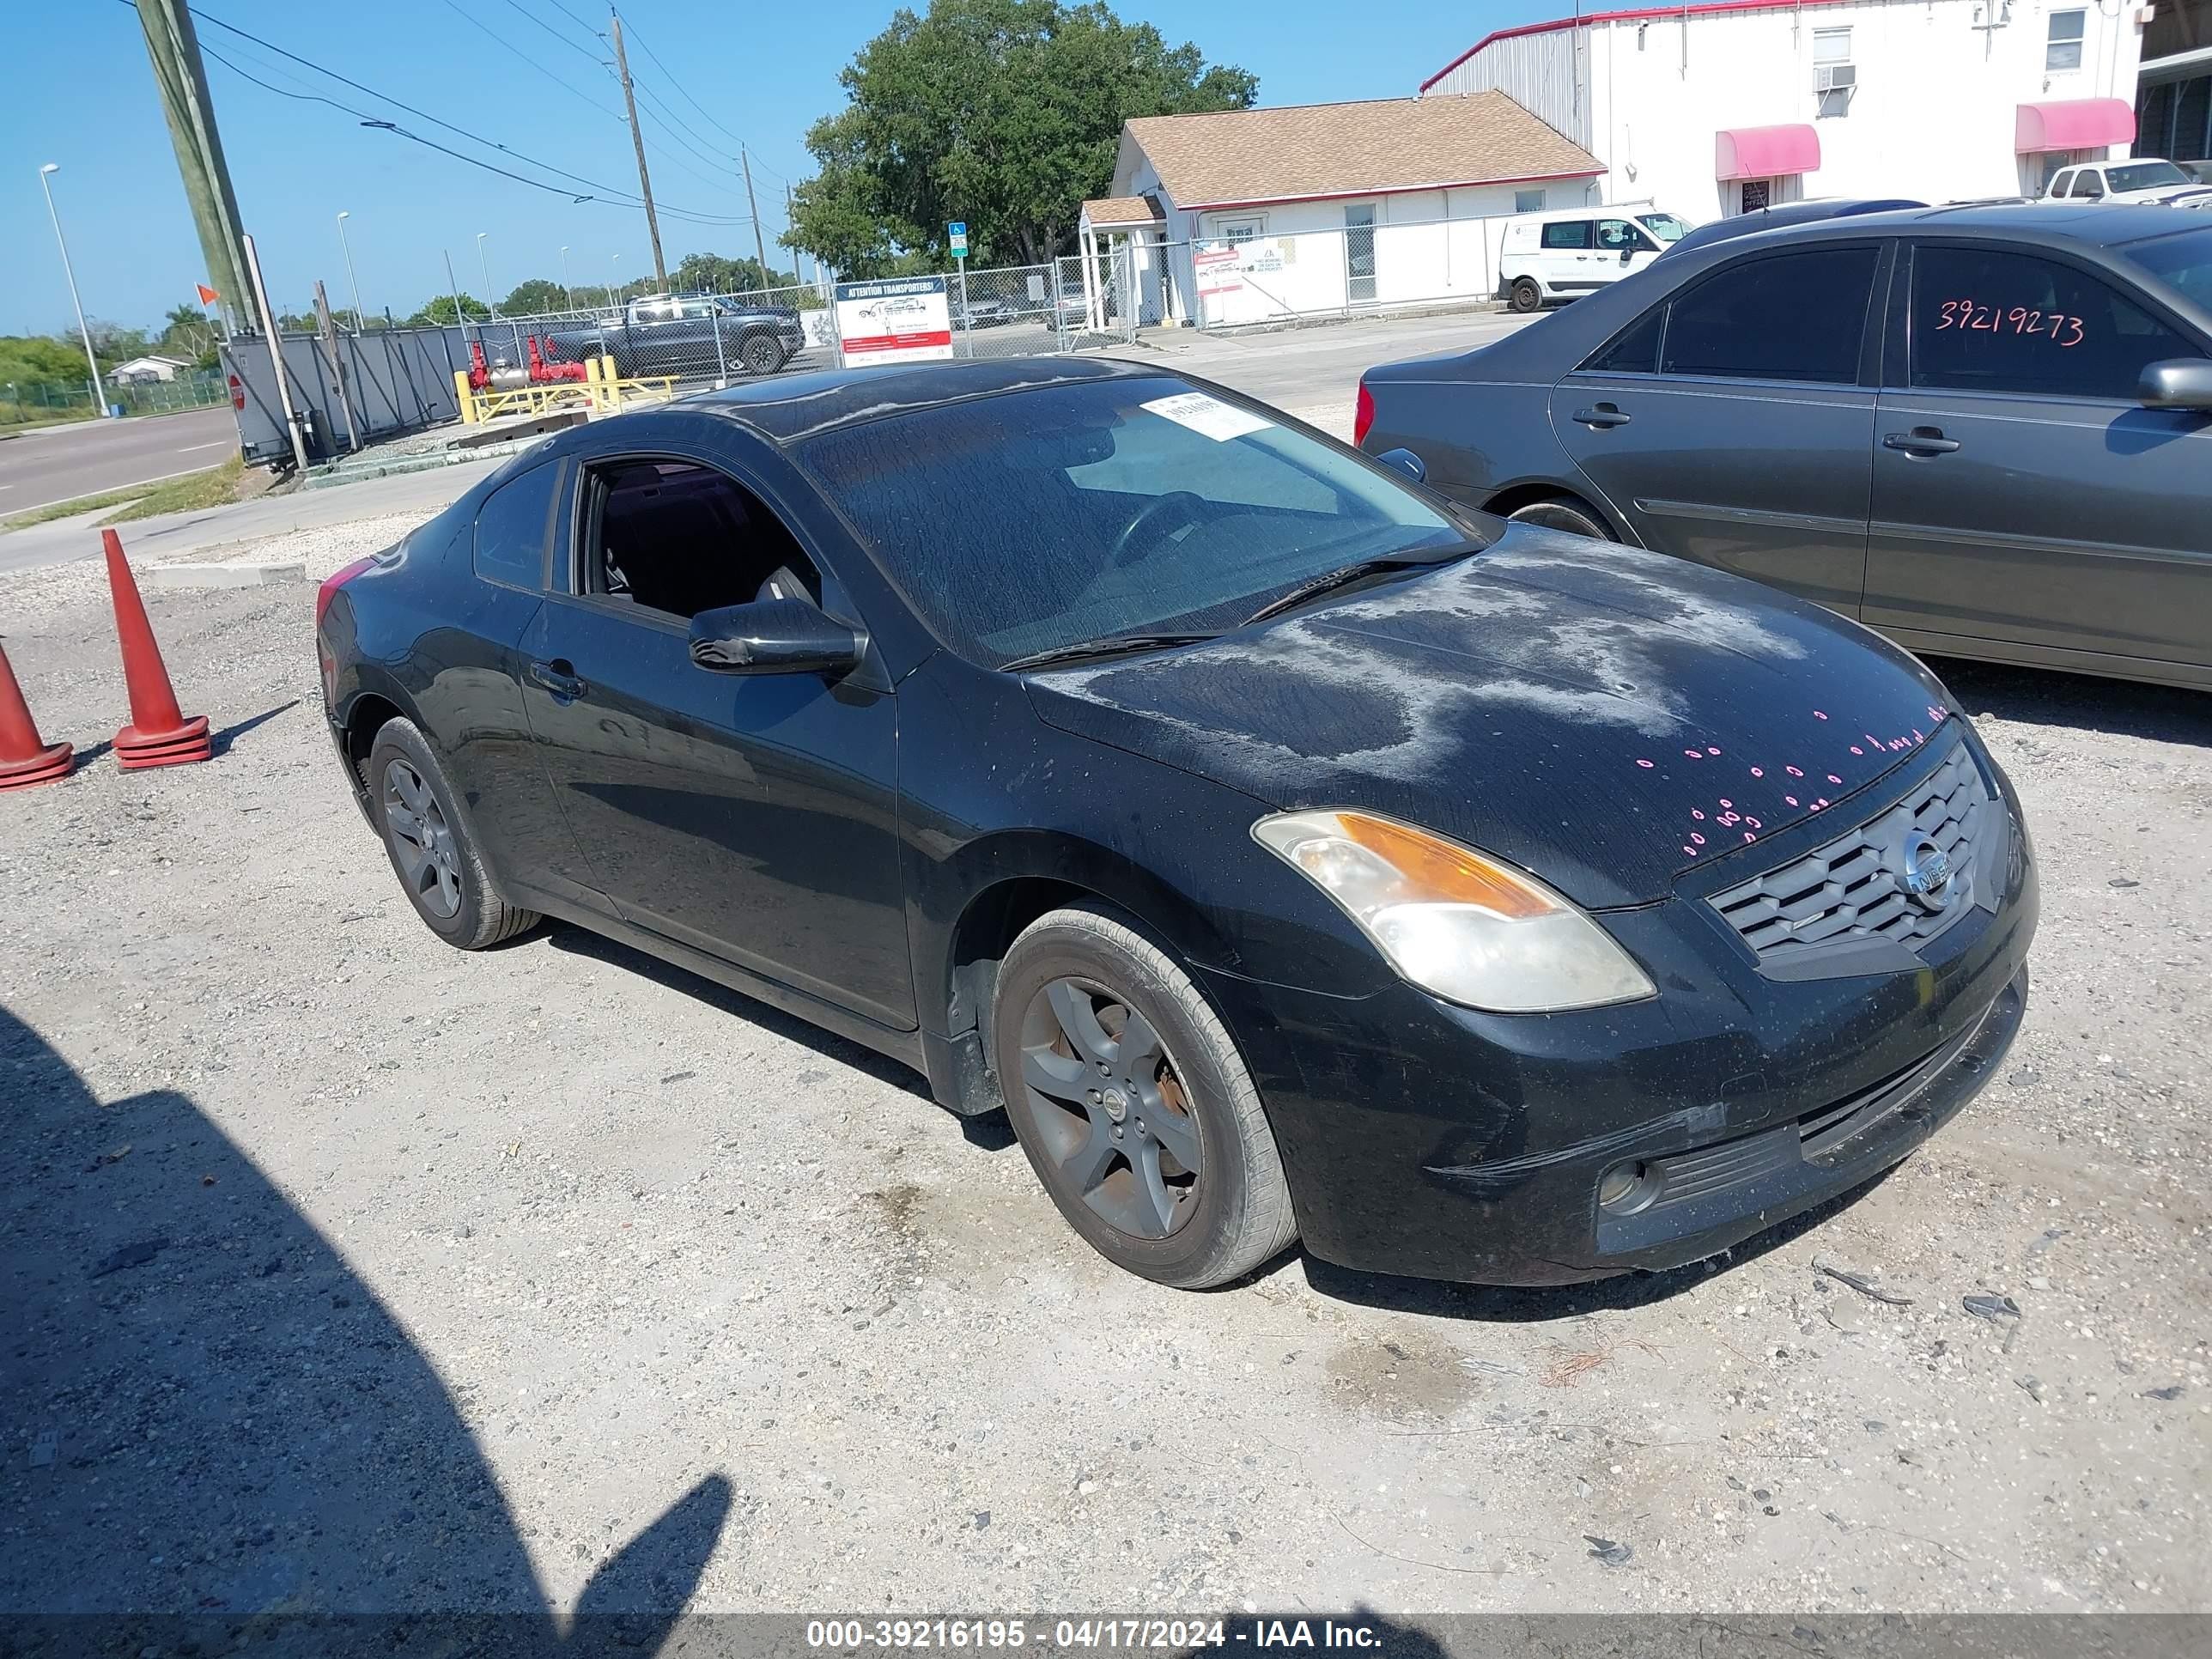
(244, 572)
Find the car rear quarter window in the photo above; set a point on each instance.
(1635, 350)
(1778, 317)
(512, 527)
(1985, 319)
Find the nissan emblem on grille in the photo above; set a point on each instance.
(1927, 873)
(1871, 900)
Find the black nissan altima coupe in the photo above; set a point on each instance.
(1292, 853)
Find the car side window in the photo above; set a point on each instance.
(1619, 236)
(513, 526)
(2062, 182)
(1778, 317)
(673, 536)
(1567, 234)
(1985, 319)
(1635, 350)
(2088, 183)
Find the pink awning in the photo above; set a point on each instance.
(2074, 123)
(1766, 152)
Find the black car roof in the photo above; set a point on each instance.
(786, 407)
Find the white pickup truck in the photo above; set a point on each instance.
(2143, 180)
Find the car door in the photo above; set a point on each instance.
(2021, 494)
(753, 818)
(1567, 255)
(1732, 422)
(1623, 245)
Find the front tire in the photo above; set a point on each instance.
(761, 355)
(432, 851)
(1134, 1106)
(1527, 296)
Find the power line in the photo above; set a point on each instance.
(555, 32)
(619, 197)
(741, 141)
(573, 18)
(578, 92)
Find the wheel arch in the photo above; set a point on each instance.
(1528, 491)
(366, 714)
(1019, 878)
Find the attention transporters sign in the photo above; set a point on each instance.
(903, 319)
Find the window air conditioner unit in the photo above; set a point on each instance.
(1835, 78)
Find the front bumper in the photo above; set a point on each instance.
(1423, 1138)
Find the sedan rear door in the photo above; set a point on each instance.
(1733, 423)
(2021, 495)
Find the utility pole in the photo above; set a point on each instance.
(637, 138)
(760, 244)
(791, 226)
(181, 79)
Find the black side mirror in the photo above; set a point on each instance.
(774, 636)
(1406, 462)
(2176, 383)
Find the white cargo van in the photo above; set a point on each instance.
(1556, 256)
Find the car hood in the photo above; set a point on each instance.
(1602, 716)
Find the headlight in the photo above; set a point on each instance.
(1467, 928)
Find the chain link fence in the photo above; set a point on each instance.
(25, 403)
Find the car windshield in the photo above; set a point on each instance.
(1033, 520)
(2183, 263)
(1665, 225)
(2145, 175)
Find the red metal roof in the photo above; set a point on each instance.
(1641, 15)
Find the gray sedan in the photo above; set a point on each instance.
(1986, 431)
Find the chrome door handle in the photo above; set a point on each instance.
(1604, 414)
(1921, 441)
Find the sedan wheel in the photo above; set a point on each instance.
(412, 803)
(1572, 516)
(422, 843)
(1526, 296)
(1110, 1110)
(1133, 1104)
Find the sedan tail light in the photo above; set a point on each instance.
(1362, 414)
(334, 581)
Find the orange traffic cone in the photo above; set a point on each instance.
(159, 734)
(25, 759)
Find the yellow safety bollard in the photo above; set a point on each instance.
(464, 396)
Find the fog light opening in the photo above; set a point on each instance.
(1626, 1188)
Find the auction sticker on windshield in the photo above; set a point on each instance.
(1208, 416)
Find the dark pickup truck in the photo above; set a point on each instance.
(688, 336)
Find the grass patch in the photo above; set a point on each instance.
(216, 487)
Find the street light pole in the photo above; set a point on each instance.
(352, 281)
(611, 286)
(484, 265)
(99, 397)
(567, 292)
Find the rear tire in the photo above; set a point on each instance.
(413, 804)
(761, 355)
(1565, 513)
(1171, 1171)
(1526, 296)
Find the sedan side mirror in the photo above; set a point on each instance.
(774, 636)
(2176, 383)
(1406, 462)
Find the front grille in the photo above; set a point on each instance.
(1851, 893)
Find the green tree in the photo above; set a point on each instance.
(533, 297)
(1006, 113)
(441, 310)
(710, 273)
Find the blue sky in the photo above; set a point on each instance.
(81, 93)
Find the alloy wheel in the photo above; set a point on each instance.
(1110, 1106)
(423, 842)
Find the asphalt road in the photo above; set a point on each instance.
(58, 464)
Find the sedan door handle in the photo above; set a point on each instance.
(1921, 441)
(559, 677)
(1604, 414)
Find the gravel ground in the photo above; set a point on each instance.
(352, 1272)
